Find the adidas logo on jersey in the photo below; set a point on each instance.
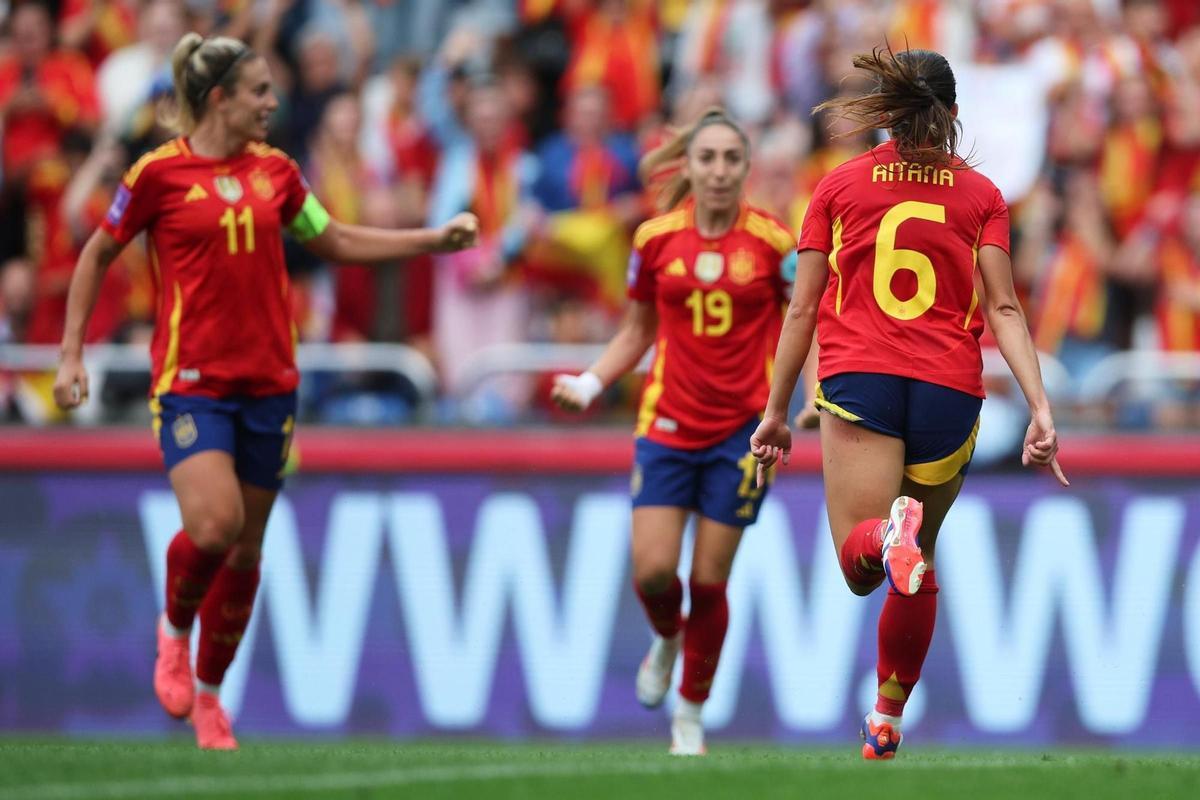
(195, 193)
(676, 268)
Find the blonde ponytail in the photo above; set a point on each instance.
(199, 65)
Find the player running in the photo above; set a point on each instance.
(706, 288)
(214, 204)
(886, 274)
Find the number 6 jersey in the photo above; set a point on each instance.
(903, 242)
(719, 304)
(214, 234)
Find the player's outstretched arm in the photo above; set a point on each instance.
(1007, 321)
(71, 383)
(360, 244)
(624, 350)
(773, 438)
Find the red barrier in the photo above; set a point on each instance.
(581, 451)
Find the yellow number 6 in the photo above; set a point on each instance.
(889, 260)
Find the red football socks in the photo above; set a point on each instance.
(664, 609)
(862, 553)
(190, 571)
(905, 631)
(703, 635)
(223, 619)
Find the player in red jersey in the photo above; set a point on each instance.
(886, 274)
(707, 287)
(214, 204)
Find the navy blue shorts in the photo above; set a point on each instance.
(718, 481)
(937, 424)
(256, 431)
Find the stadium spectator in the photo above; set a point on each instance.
(44, 92)
(614, 44)
(731, 41)
(215, 203)
(480, 295)
(587, 183)
(706, 281)
(124, 79)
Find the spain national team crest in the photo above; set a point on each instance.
(709, 266)
(184, 431)
(741, 267)
(228, 187)
(260, 184)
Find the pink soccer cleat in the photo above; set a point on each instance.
(213, 731)
(902, 559)
(173, 674)
(880, 742)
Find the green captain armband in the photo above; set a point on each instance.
(312, 220)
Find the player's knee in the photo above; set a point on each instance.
(245, 555)
(217, 529)
(860, 589)
(654, 578)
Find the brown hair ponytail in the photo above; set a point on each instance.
(913, 94)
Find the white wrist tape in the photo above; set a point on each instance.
(586, 385)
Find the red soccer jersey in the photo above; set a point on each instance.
(214, 235)
(903, 241)
(719, 304)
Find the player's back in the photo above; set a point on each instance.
(902, 241)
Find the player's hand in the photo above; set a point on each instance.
(809, 418)
(1041, 445)
(771, 442)
(71, 383)
(575, 392)
(459, 233)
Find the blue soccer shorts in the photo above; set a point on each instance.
(256, 431)
(937, 424)
(718, 482)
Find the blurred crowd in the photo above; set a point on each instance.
(533, 115)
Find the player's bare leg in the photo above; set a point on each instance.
(704, 632)
(656, 542)
(210, 506)
(862, 471)
(906, 626)
(224, 617)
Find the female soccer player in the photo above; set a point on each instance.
(888, 254)
(707, 290)
(214, 204)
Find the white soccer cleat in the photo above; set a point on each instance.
(654, 675)
(902, 559)
(687, 732)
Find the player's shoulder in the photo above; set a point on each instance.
(769, 229)
(660, 226)
(273, 155)
(975, 181)
(154, 161)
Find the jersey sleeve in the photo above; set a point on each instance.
(994, 230)
(306, 218)
(134, 205)
(816, 232)
(640, 277)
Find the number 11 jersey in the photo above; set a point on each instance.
(903, 243)
(214, 235)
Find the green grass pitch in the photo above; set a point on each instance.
(64, 769)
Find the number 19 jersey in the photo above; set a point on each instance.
(720, 309)
(903, 243)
